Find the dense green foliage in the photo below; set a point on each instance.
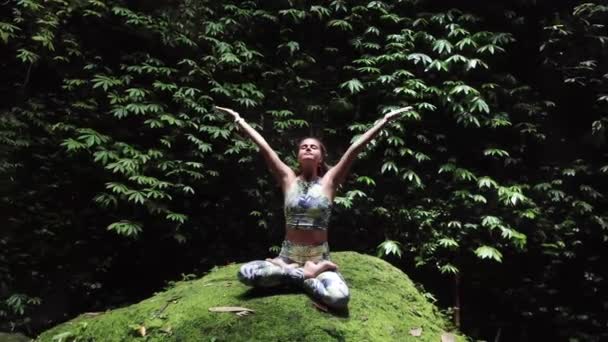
(113, 161)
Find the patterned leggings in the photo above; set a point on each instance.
(328, 287)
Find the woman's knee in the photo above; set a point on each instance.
(260, 273)
(330, 288)
(338, 296)
(244, 275)
(334, 299)
(339, 301)
(248, 272)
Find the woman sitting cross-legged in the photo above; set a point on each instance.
(304, 258)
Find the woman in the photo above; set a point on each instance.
(304, 257)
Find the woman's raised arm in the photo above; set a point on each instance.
(283, 173)
(337, 174)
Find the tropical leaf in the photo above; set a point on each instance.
(487, 252)
(389, 247)
(424, 60)
(341, 24)
(442, 45)
(388, 166)
(354, 86)
(495, 152)
(126, 228)
(479, 105)
(447, 242)
(486, 182)
(449, 269)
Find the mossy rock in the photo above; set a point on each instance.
(13, 337)
(384, 306)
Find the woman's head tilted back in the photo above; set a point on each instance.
(312, 155)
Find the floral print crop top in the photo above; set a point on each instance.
(306, 207)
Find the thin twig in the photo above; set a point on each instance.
(165, 306)
(27, 76)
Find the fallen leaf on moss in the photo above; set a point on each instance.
(239, 311)
(320, 306)
(448, 337)
(153, 323)
(416, 332)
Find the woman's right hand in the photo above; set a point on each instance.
(393, 115)
(231, 112)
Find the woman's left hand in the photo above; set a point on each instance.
(229, 111)
(394, 114)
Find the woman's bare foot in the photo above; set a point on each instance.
(312, 269)
(281, 263)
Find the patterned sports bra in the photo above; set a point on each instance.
(306, 207)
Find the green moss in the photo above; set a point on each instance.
(384, 306)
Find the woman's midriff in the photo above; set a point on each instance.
(306, 237)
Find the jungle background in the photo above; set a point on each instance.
(118, 177)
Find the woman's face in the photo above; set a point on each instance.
(310, 152)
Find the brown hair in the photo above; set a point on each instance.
(323, 167)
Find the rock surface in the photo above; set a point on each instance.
(385, 306)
